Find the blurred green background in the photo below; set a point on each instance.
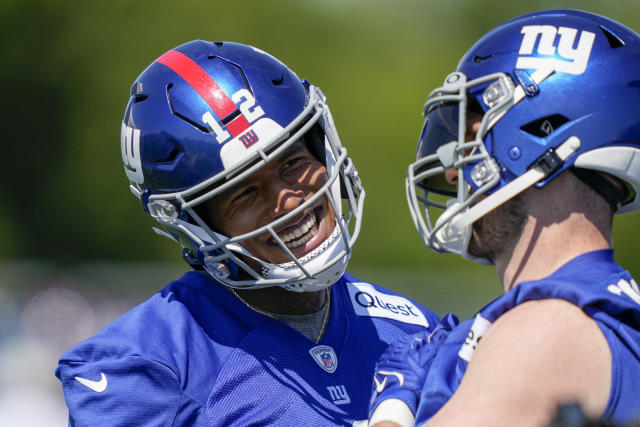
(67, 68)
(67, 218)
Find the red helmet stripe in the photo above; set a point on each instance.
(206, 87)
(237, 125)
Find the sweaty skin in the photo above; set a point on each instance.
(516, 376)
(268, 194)
(546, 352)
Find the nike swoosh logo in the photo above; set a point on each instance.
(395, 374)
(379, 385)
(97, 386)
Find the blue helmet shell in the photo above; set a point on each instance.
(177, 150)
(593, 96)
(537, 95)
(205, 116)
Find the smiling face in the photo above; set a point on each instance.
(270, 193)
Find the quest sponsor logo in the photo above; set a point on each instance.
(367, 301)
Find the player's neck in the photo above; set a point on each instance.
(555, 232)
(280, 301)
(545, 248)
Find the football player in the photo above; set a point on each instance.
(239, 162)
(527, 151)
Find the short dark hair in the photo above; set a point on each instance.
(615, 191)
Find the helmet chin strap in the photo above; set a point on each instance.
(456, 240)
(314, 265)
(332, 248)
(454, 231)
(456, 234)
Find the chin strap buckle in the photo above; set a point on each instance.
(549, 162)
(553, 159)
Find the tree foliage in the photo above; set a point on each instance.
(68, 66)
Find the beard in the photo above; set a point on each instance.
(497, 232)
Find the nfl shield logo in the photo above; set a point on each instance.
(325, 357)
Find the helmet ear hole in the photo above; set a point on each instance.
(314, 140)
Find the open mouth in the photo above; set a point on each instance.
(302, 234)
(296, 237)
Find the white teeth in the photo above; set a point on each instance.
(304, 239)
(303, 234)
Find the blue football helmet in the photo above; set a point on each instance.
(551, 90)
(203, 117)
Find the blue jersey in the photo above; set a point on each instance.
(593, 282)
(194, 354)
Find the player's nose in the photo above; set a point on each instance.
(285, 197)
(451, 176)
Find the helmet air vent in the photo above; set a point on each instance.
(186, 119)
(213, 55)
(479, 58)
(277, 82)
(171, 157)
(615, 41)
(139, 97)
(545, 126)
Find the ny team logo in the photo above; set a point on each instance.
(325, 357)
(130, 147)
(249, 138)
(339, 395)
(555, 48)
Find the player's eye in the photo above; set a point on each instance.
(242, 195)
(292, 162)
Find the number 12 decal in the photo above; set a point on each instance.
(247, 107)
